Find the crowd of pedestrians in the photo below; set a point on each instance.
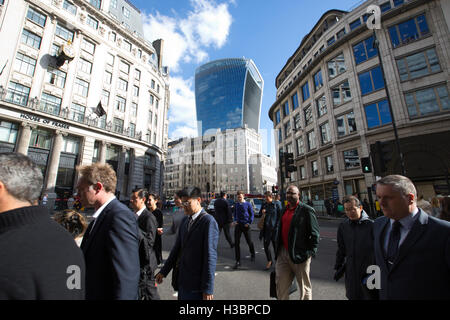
(118, 254)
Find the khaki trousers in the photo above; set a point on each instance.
(286, 270)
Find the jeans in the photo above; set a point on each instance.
(238, 230)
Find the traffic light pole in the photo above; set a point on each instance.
(394, 126)
(282, 179)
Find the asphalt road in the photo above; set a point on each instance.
(251, 282)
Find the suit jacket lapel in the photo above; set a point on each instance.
(414, 234)
(97, 224)
(193, 227)
(379, 241)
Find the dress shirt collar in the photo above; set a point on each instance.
(140, 211)
(407, 221)
(195, 215)
(100, 210)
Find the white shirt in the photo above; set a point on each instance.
(140, 211)
(195, 215)
(406, 223)
(100, 210)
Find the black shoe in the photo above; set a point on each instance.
(237, 265)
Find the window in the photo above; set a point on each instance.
(126, 12)
(340, 34)
(56, 77)
(107, 78)
(277, 117)
(341, 93)
(321, 106)
(87, 46)
(300, 146)
(105, 98)
(113, 4)
(346, 124)
(287, 129)
(8, 132)
(149, 136)
(133, 111)
(132, 130)
(54, 50)
(136, 91)
(152, 84)
(336, 66)
(385, 6)
(118, 125)
(152, 99)
(377, 114)
(69, 6)
(92, 22)
(318, 82)
(355, 24)
(120, 104)
(150, 117)
(308, 115)
(113, 36)
(329, 164)
(408, 31)
(314, 168)
(286, 109)
(77, 112)
(351, 159)
(31, 39)
(364, 50)
(325, 133)
(124, 67)
(371, 80)
(81, 87)
(36, 17)
(427, 101)
(294, 99)
(137, 74)
(17, 94)
(398, 2)
(122, 84)
(71, 144)
(85, 66)
(305, 91)
(110, 59)
(302, 172)
(418, 65)
(50, 104)
(297, 122)
(280, 136)
(96, 3)
(331, 41)
(311, 136)
(64, 33)
(41, 139)
(126, 45)
(24, 64)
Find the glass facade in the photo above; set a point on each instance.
(228, 95)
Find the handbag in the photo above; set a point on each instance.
(273, 286)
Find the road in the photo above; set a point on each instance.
(251, 282)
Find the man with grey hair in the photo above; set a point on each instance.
(38, 258)
(412, 249)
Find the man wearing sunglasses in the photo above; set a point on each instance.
(193, 257)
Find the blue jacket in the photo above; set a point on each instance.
(243, 213)
(199, 255)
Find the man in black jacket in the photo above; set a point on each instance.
(147, 257)
(39, 260)
(222, 213)
(355, 250)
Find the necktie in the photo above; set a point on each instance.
(394, 240)
(191, 221)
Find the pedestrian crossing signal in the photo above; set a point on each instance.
(365, 164)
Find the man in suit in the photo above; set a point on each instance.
(222, 213)
(148, 229)
(195, 250)
(111, 242)
(412, 249)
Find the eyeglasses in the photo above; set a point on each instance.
(291, 192)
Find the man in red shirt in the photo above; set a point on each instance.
(297, 243)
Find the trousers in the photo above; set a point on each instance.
(238, 230)
(286, 270)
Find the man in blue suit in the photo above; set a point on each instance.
(111, 242)
(412, 249)
(194, 252)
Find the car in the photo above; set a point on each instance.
(257, 204)
(210, 207)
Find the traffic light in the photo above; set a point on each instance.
(288, 164)
(365, 165)
(382, 153)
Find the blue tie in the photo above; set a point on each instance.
(394, 240)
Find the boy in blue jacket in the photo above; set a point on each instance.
(243, 218)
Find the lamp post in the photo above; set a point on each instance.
(394, 126)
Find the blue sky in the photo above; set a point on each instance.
(198, 31)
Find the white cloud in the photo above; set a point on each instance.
(186, 40)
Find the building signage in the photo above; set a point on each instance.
(38, 119)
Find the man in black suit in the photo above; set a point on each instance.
(194, 253)
(148, 229)
(111, 242)
(412, 249)
(222, 213)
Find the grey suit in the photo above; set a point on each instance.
(421, 269)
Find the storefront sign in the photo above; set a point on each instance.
(38, 119)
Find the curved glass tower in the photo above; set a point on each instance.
(228, 94)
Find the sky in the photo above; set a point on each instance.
(198, 31)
